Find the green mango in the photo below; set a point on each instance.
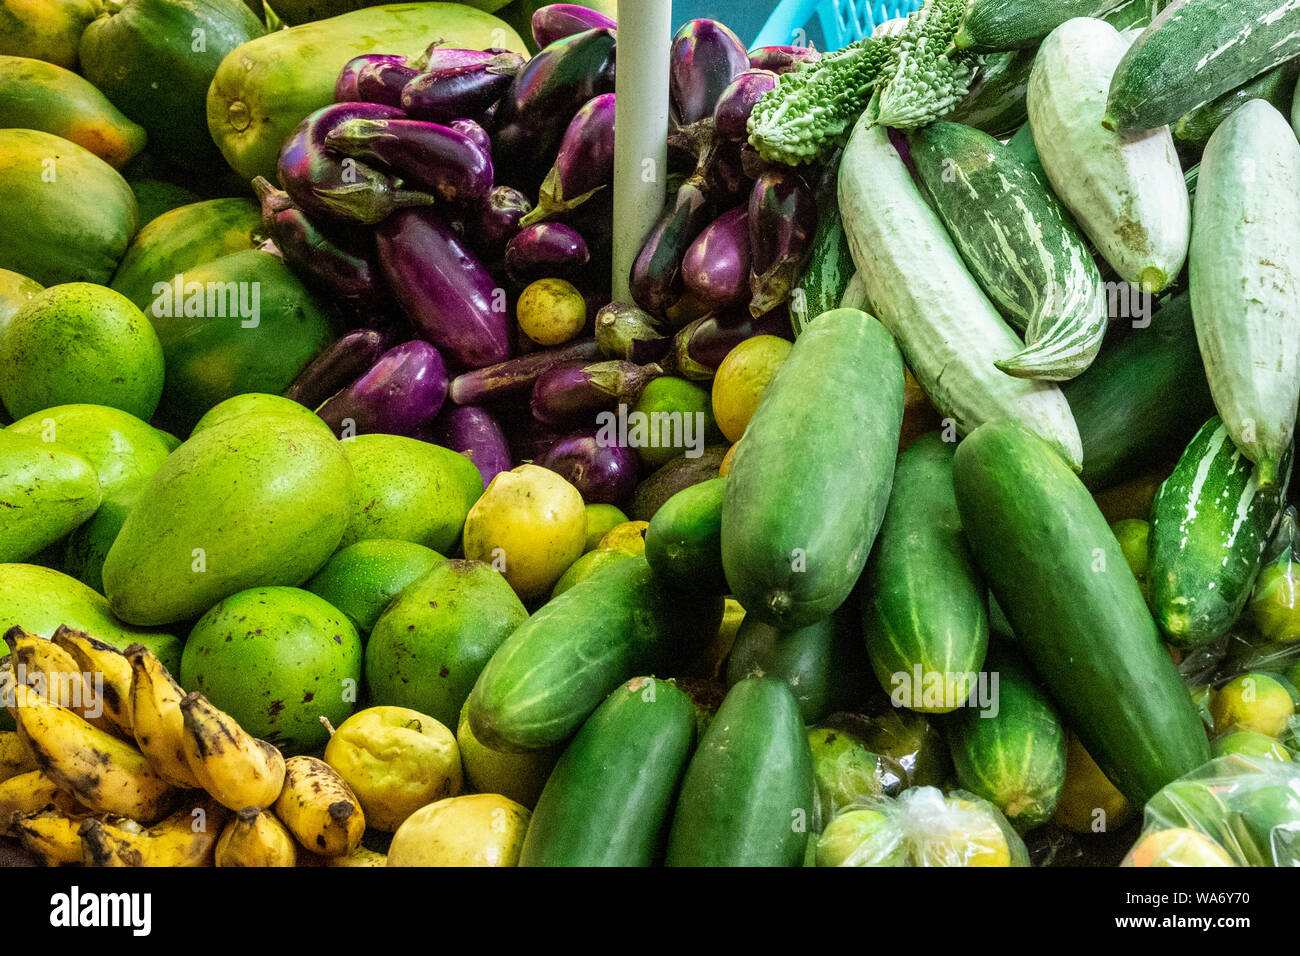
(361, 579)
(428, 648)
(15, 292)
(258, 403)
(46, 490)
(410, 490)
(255, 501)
(44, 30)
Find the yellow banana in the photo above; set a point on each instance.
(106, 774)
(256, 838)
(319, 808)
(184, 839)
(25, 793)
(104, 670)
(50, 835)
(359, 857)
(14, 757)
(227, 761)
(53, 673)
(156, 717)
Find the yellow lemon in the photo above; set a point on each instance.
(551, 311)
(1255, 702)
(741, 380)
(628, 536)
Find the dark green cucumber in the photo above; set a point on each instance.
(1136, 14)
(1077, 611)
(684, 541)
(1013, 755)
(1022, 144)
(1210, 524)
(996, 101)
(558, 665)
(809, 483)
(607, 802)
(925, 607)
(1196, 51)
(1015, 24)
(747, 797)
(1277, 87)
(830, 265)
(1143, 397)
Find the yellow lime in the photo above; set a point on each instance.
(741, 380)
(551, 311)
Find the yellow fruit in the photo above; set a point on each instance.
(600, 520)
(396, 760)
(227, 761)
(481, 829)
(319, 808)
(724, 469)
(551, 311)
(1255, 702)
(862, 838)
(966, 834)
(50, 835)
(105, 672)
(184, 839)
(1089, 801)
(14, 757)
(1177, 847)
(25, 793)
(741, 380)
(359, 857)
(530, 524)
(517, 776)
(255, 838)
(628, 537)
(157, 722)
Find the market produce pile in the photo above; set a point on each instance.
(926, 503)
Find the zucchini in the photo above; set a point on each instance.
(1013, 757)
(1277, 88)
(1143, 399)
(996, 101)
(830, 264)
(1060, 575)
(925, 606)
(1013, 24)
(1245, 278)
(948, 330)
(684, 540)
(1195, 51)
(607, 802)
(747, 797)
(1133, 16)
(1020, 245)
(1209, 525)
(809, 483)
(1127, 193)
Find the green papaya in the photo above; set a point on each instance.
(48, 30)
(154, 197)
(46, 490)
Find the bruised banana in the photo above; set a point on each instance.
(157, 722)
(105, 668)
(106, 774)
(184, 839)
(359, 857)
(319, 808)
(227, 761)
(256, 838)
(25, 793)
(14, 757)
(50, 835)
(52, 673)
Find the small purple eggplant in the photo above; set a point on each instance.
(782, 59)
(345, 87)
(559, 20)
(569, 394)
(603, 473)
(383, 83)
(585, 164)
(476, 134)
(705, 58)
(656, 280)
(782, 224)
(438, 57)
(336, 187)
(433, 157)
(731, 115)
(548, 250)
(474, 433)
(700, 347)
(496, 220)
(728, 178)
(626, 332)
(443, 289)
(716, 266)
(518, 374)
(338, 366)
(399, 393)
(461, 91)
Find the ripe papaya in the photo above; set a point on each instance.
(44, 30)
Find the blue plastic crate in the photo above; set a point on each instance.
(841, 21)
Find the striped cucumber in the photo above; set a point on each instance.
(1245, 277)
(1209, 525)
(996, 101)
(1195, 51)
(830, 265)
(925, 606)
(1020, 244)
(1277, 87)
(1012, 24)
(1022, 144)
(1127, 193)
(950, 334)
(1134, 16)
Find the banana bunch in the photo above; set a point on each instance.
(186, 838)
(319, 808)
(256, 838)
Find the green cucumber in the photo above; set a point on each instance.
(1021, 246)
(1022, 144)
(1196, 51)
(1276, 87)
(1142, 399)
(747, 797)
(607, 802)
(1014, 24)
(925, 606)
(996, 101)
(809, 483)
(1014, 757)
(1078, 613)
(1209, 526)
(684, 540)
(1135, 15)
(830, 264)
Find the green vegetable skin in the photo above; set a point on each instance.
(608, 799)
(996, 101)
(1012, 24)
(1079, 616)
(1277, 87)
(47, 491)
(683, 543)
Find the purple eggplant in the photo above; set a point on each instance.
(460, 91)
(782, 222)
(585, 164)
(729, 180)
(716, 266)
(496, 220)
(474, 433)
(535, 111)
(782, 59)
(706, 56)
(345, 87)
(626, 332)
(731, 115)
(438, 57)
(656, 281)
(560, 20)
(571, 393)
(338, 366)
(699, 348)
(384, 82)
(475, 133)
(548, 250)
(397, 395)
(603, 472)
(443, 289)
(518, 374)
(325, 184)
(433, 157)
